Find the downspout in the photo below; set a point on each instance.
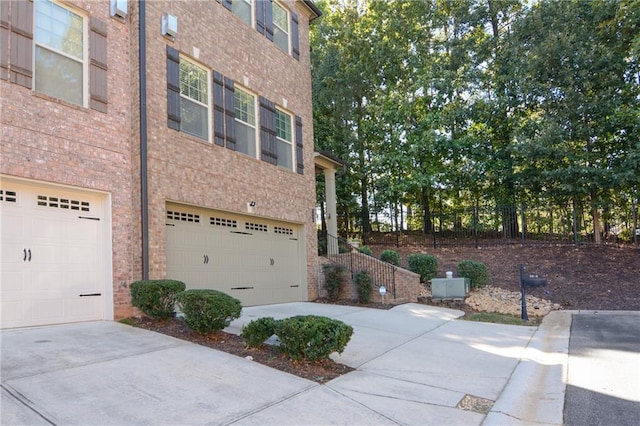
(144, 201)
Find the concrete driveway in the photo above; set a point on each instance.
(416, 364)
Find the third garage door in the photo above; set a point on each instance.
(256, 260)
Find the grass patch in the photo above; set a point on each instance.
(126, 321)
(497, 318)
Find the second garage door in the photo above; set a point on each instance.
(255, 260)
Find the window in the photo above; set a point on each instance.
(284, 139)
(243, 8)
(60, 51)
(194, 99)
(245, 109)
(281, 27)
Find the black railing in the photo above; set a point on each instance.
(343, 253)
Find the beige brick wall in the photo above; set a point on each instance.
(45, 139)
(189, 170)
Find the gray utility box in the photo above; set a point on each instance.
(450, 288)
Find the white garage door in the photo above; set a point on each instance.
(255, 260)
(52, 256)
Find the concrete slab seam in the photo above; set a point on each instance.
(277, 402)
(377, 373)
(23, 400)
(411, 339)
(364, 405)
(109, 359)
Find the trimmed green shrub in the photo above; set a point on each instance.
(258, 330)
(390, 256)
(312, 337)
(365, 250)
(334, 280)
(363, 283)
(475, 271)
(208, 311)
(423, 264)
(156, 298)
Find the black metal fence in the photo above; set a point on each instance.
(347, 255)
(494, 226)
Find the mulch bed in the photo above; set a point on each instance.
(320, 371)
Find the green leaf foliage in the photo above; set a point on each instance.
(390, 256)
(423, 264)
(364, 285)
(208, 311)
(257, 331)
(312, 337)
(156, 298)
(334, 280)
(475, 271)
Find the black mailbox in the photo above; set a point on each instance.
(530, 281)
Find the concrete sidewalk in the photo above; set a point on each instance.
(415, 364)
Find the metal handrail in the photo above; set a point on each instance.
(344, 253)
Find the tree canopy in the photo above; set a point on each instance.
(451, 104)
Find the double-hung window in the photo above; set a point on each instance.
(194, 99)
(243, 9)
(281, 27)
(284, 138)
(245, 109)
(60, 52)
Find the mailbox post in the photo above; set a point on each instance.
(530, 281)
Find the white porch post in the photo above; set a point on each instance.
(332, 215)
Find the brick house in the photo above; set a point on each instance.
(179, 148)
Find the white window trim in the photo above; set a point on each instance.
(288, 20)
(252, 18)
(208, 105)
(256, 117)
(292, 142)
(85, 52)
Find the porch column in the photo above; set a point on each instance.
(332, 215)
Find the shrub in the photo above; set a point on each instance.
(423, 264)
(312, 337)
(334, 280)
(363, 283)
(259, 330)
(475, 271)
(156, 298)
(365, 250)
(390, 256)
(208, 311)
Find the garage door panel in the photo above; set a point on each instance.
(49, 257)
(247, 258)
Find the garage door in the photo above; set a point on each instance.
(255, 260)
(52, 256)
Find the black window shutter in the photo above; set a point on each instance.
(98, 65)
(268, 19)
(295, 42)
(227, 3)
(260, 6)
(173, 88)
(218, 108)
(229, 113)
(299, 146)
(21, 68)
(268, 145)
